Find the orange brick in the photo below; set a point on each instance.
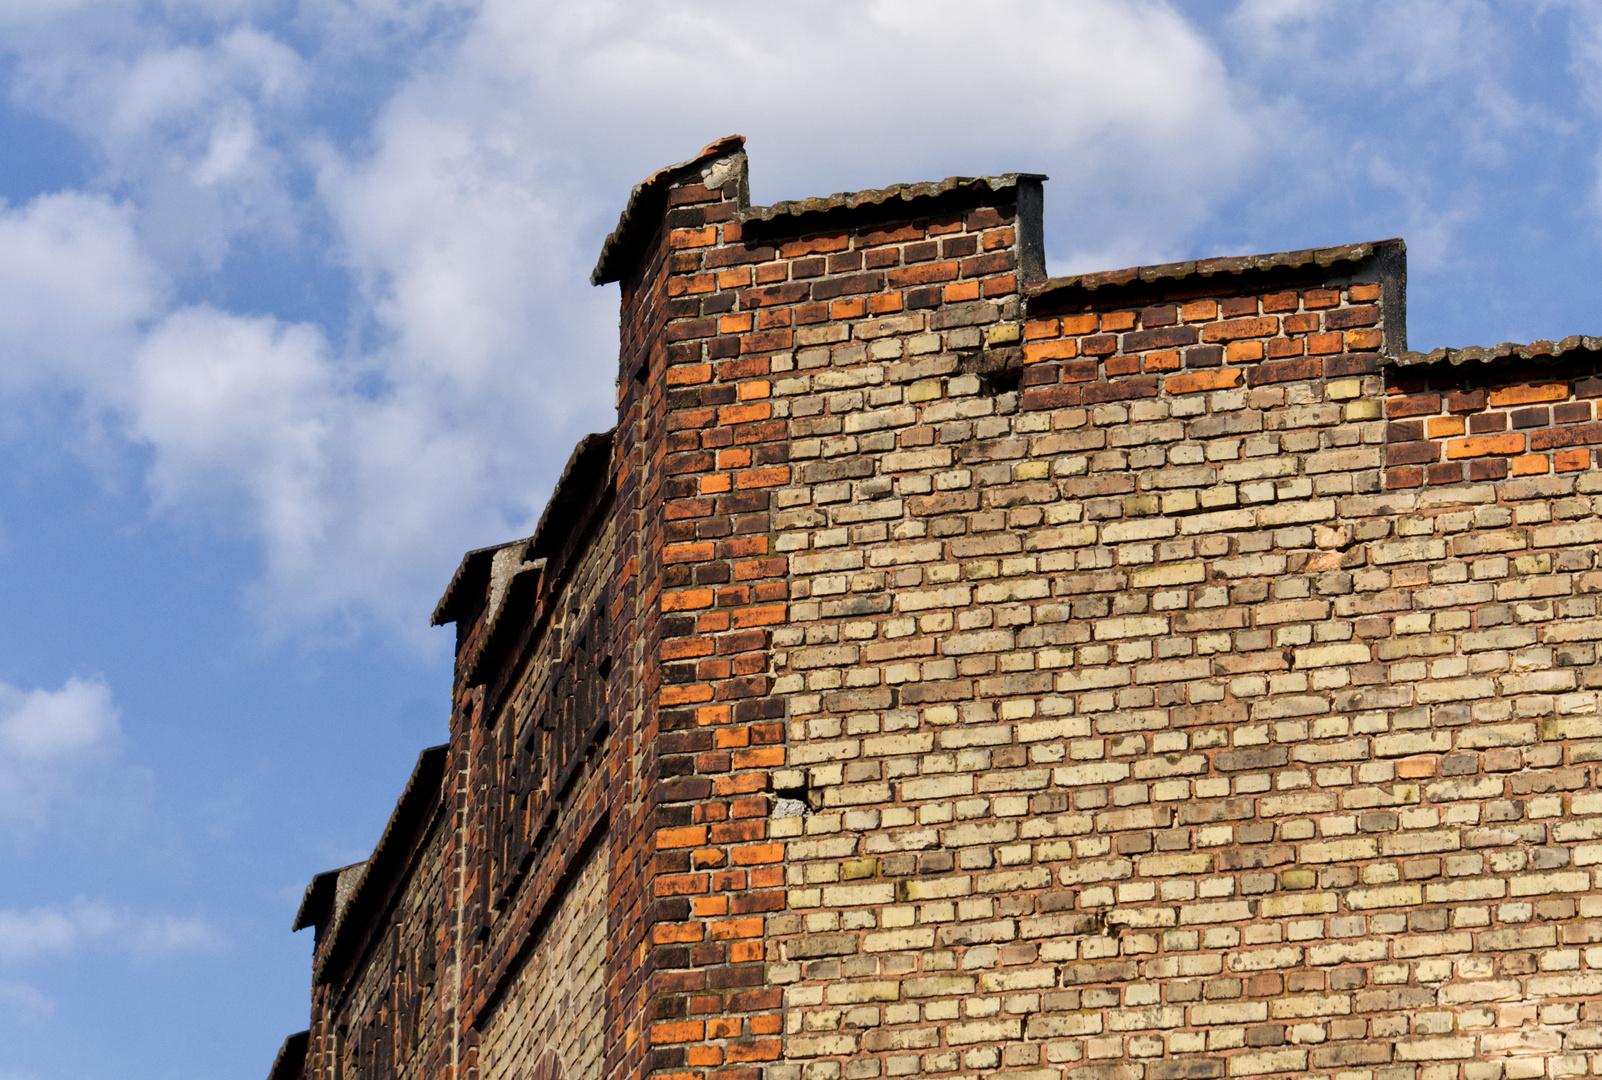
(689, 374)
(761, 1050)
(1060, 349)
(759, 757)
(723, 1027)
(1571, 460)
(742, 546)
(1162, 361)
(996, 239)
(1191, 382)
(688, 600)
(929, 273)
(1367, 338)
(1504, 444)
(1000, 284)
(732, 737)
(1325, 344)
(962, 290)
(679, 239)
(1321, 298)
(686, 695)
(1243, 352)
(739, 278)
(761, 478)
(1238, 329)
(755, 390)
(709, 858)
(686, 648)
(676, 1031)
(760, 616)
(710, 715)
(758, 854)
(1524, 395)
(691, 286)
(734, 324)
(886, 303)
(686, 836)
(701, 1057)
(677, 553)
(1359, 294)
(1117, 320)
(679, 884)
(731, 929)
(712, 485)
(745, 414)
(1533, 465)
(1441, 427)
(706, 907)
(737, 458)
(1035, 329)
(1199, 311)
(1082, 324)
(851, 308)
(815, 245)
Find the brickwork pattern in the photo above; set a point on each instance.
(1451, 426)
(1163, 744)
(1131, 677)
(558, 1005)
(395, 1018)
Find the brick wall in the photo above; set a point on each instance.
(1150, 675)
(1528, 419)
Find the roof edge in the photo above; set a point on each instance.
(642, 214)
(319, 897)
(423, 790)
(1206, 268)
(1541, 349)
(886, 198)
(290, 1061)
(581, 466)
(477, 565)
(474, 564)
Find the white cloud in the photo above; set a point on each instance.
(74, 286)
(191, 128)
(25, 1004)
(45, 725)
(48, 738)
(34, 933)
(1125, 104)
(365, 462)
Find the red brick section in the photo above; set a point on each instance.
(742, 312)
(639, 451)
(1175, 345)
(1449, 425)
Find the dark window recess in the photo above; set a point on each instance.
(541, 753)
(1000, 371)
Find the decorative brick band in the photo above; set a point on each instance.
(1450, 425)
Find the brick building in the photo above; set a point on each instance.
(947, 670)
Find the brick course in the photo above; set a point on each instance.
(947, 670)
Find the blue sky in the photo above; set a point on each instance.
(294, 310)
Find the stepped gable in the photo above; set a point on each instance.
(944, 669)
